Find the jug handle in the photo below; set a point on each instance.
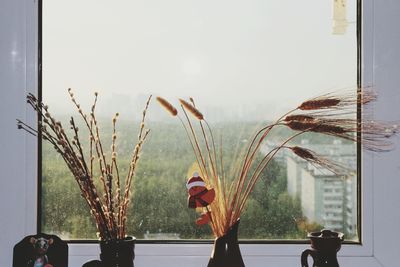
(304, 256)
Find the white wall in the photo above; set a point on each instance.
(381, 180)
(18, 70)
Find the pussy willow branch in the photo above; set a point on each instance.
(132, 169)
(115, 166)
(92, 127)
(107, 224)
(70, 157)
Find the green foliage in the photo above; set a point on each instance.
(271, 213)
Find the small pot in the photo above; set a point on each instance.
(324, 248)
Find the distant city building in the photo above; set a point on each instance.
(325, 198)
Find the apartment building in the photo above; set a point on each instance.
(326, 198)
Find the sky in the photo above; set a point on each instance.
(252, 59)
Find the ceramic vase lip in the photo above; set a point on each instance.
(233, 228)
(326, 234)
(326, 240)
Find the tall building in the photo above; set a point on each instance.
(326, 198)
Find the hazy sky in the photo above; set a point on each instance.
(253, 58)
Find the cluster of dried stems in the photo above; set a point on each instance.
(330, 114)
(109, 204)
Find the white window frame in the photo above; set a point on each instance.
(18, 153)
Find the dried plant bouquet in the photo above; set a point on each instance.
(109, 203)
(332, 114)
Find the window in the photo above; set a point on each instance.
(243, 63)
(380, 174)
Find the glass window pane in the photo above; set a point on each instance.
(245, 63)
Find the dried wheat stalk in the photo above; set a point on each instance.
(331, 114)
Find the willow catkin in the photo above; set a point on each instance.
(168, 106)
(192, 109)
(114, 119)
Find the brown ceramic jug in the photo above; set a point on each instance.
(324, 247)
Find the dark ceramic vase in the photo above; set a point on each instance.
(118, 253)
(324, 248)
(226, 251)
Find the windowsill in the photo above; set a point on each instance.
(198, 255)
